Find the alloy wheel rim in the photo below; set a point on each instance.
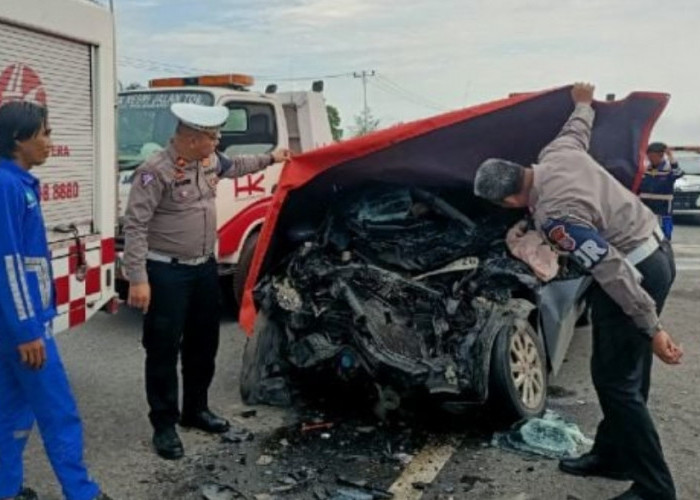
(526, 370)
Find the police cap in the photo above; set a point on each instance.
(657, 147)
(198, 117)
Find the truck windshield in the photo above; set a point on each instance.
(146, 124)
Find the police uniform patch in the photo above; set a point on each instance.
(147, 178)
(584, 244)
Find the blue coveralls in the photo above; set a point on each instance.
(656, 192)
(26, 310)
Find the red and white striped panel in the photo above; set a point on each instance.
(78, 299)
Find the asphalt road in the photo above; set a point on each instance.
(105, 362)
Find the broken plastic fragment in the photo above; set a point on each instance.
(220, 492)
(404, 458)
(264, 460)
(351, 494)
(459, 265)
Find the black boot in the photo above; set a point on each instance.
(205, 421)
(591, 464)
(168, 444)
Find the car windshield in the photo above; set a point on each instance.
(690, 164)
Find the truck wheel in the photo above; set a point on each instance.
(244, 261)
(518, 378)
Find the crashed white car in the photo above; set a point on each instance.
(378, 269)
(686, 198)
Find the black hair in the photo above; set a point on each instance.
(656, 147)
(19, 121)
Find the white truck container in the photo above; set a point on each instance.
(60, 53)
(259, 122)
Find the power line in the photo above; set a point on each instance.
(395, 94)
(158, 66)
(152, 65)
(412, 98)
(266, 78)
(407, 92)
(381, 82)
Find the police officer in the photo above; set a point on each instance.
(585, 212)
(656, 190)
(170, 232)
(33, 382)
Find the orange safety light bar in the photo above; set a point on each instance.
(228, 80)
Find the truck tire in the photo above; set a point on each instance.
(518, 374)
(243, 266)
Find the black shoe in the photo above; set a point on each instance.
(591, 465)
(205, 421)
(168, 444)
(103, 496)
(628, 495)
(27, 494)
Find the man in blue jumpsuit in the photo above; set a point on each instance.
(33, 383)
(656, 190)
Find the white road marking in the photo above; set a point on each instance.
(683, 250)
(688, 268)
(424, 468)
(688, 264)
(686, 247)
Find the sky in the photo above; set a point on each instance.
(428, 56)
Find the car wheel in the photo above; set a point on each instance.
(518, 377)
(261, 381)
(244, 262)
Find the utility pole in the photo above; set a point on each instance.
(364, 74)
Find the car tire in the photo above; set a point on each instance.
(243, 266)
(518, 374)
(261, 381)
(249, 374)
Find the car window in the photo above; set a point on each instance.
(690, 164)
